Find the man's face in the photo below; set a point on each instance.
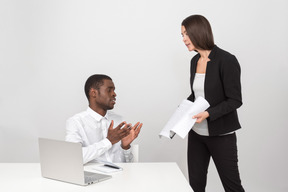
(106, 96)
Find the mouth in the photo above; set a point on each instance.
(113, 101)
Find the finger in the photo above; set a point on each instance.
(136, 125)
(139, 126)
(121, 125)
(199, 120)
(138, 129)
(127, 126)
(111, 125)
(124, 132)
(130, 126)
(194, 117)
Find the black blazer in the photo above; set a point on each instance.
(222, 90)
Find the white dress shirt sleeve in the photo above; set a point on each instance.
(128, 155)
(75, 133)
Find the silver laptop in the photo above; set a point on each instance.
(63, 161)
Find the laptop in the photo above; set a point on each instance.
(63, 161)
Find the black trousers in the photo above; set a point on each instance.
(223, 150)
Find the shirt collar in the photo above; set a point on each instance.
(96, 115)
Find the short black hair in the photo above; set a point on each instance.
(94, 81)
(199, 31)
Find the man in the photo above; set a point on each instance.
(94, 128)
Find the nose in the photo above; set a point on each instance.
(184, 38)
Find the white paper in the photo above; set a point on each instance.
(105, 169)
(181, 121)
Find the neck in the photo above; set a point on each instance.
(204, 53)
(98, 110)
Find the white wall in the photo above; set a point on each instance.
(49, 48)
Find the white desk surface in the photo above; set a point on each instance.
(136, 177)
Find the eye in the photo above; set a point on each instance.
(110, 90)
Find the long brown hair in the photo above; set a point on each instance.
(199, 31)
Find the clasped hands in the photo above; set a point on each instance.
(124, 132)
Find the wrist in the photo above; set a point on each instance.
(125, 147)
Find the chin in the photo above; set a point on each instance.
(191, 49)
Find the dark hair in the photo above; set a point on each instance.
(199, 31)
(95, 82)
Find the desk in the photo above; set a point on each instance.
(136, 177)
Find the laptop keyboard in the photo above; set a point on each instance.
(90, 177)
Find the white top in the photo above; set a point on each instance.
(198, 88)
(90, 129)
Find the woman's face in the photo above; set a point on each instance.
(186, 39)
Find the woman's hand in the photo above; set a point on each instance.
(201, 116)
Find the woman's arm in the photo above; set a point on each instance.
(230, 75)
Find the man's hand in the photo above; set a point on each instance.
(114, 135)
(134, 132)
(201, 116)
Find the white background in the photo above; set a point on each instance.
(49, 48)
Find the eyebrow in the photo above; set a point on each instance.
(184, 32)
(111, 87)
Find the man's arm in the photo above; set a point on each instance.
(75, 133)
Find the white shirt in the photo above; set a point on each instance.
(198, 88)
(90, 129)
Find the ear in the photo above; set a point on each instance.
(93, 93)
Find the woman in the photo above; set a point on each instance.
(215, 75)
